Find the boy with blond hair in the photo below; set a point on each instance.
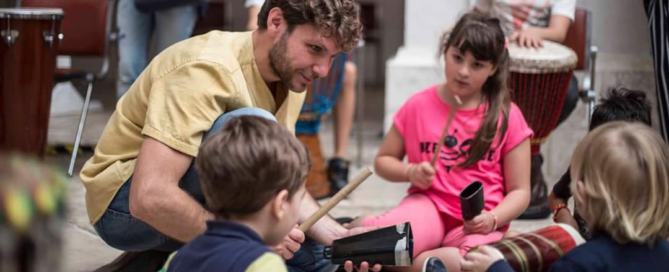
(621, 188)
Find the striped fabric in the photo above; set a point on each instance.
(321, 97)
(658, 22)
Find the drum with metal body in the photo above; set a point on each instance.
(389, 246)
(537, 251)
(539, 80)
(28, 50)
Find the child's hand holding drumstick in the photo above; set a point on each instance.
(422, 174)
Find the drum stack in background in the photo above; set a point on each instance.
(28, 49)
(539, 80)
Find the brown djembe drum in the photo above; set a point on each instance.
(539, 80)
(28, 50)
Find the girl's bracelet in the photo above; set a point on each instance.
(408, 172)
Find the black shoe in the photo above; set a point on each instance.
(344, 220)
(539, 208)
(433, 264)
(337, 174)
(150, 260)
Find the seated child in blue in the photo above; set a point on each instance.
(253, 176)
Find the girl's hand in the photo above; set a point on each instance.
(481, 224)
(527, 38)
(480, 259)
(421, 175)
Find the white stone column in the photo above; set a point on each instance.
(416, 66)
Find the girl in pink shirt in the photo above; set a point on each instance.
(488, 141)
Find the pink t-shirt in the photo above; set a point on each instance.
(420, 122)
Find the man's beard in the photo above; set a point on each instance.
(278, 61)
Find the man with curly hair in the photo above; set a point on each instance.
(143, 194)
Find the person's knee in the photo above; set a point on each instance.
(350, 69)
(127, 234)
(450, 256)
(475, 240)
(350, 75)
(249, 111)
(572, 92)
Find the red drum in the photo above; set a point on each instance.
(537, 251)
(539, 80)
(28, 50)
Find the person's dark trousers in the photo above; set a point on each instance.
(539, 207)
(147, 249)
(658, 23)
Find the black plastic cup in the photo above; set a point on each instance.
(471, 200)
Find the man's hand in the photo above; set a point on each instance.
(291, 244)
(421, 175)
(481, 224)
(364, 266)
(528, 38)
(480, 260)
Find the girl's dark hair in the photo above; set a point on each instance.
(482, 36)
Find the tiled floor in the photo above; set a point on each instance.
(84, 251)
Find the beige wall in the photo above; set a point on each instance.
(619, 26)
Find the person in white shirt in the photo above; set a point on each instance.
(530, 21)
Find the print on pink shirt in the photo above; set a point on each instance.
(459, 150)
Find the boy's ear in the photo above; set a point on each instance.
(279, 204)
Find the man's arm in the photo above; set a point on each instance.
(326, 229)
(155, 196)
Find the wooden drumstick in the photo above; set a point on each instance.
(362, 176)
(451, 114)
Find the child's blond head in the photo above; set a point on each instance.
(623, 172)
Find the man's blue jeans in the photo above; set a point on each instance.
(136, 29)
(121, 230)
